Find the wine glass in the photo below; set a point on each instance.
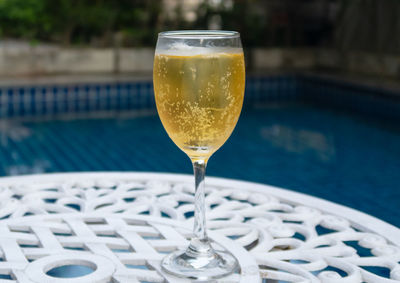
(199, 79)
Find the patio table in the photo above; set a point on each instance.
(120, 225)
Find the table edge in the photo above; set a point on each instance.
(376, 225)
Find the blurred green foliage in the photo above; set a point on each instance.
(20, 18)
(79, 21)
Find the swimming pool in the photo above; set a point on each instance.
(308, 145)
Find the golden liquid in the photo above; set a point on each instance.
(199, 99)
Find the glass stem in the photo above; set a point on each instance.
(200, 245)
(199, 229)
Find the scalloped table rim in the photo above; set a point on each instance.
(357, 218)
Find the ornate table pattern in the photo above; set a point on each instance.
(121, 224)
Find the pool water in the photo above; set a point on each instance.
(346, 158)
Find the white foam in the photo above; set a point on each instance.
(182, 49)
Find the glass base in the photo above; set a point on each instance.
(211, 265)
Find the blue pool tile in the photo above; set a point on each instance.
(86, 98)
(32, 101)
(55, 100)
(97, 98)
(10, 106)
(75, 99)
(107, 97)
(137, 96)
(63, 104)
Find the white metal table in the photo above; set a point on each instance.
(121, 224)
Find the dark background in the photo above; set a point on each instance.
(362, 25)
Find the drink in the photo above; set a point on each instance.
(199, 84)
(199, 98)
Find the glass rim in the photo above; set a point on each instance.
(199, 34)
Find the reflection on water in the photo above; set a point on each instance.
(11, 130)
(16, 151)
(37, 167)
(299, 141)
